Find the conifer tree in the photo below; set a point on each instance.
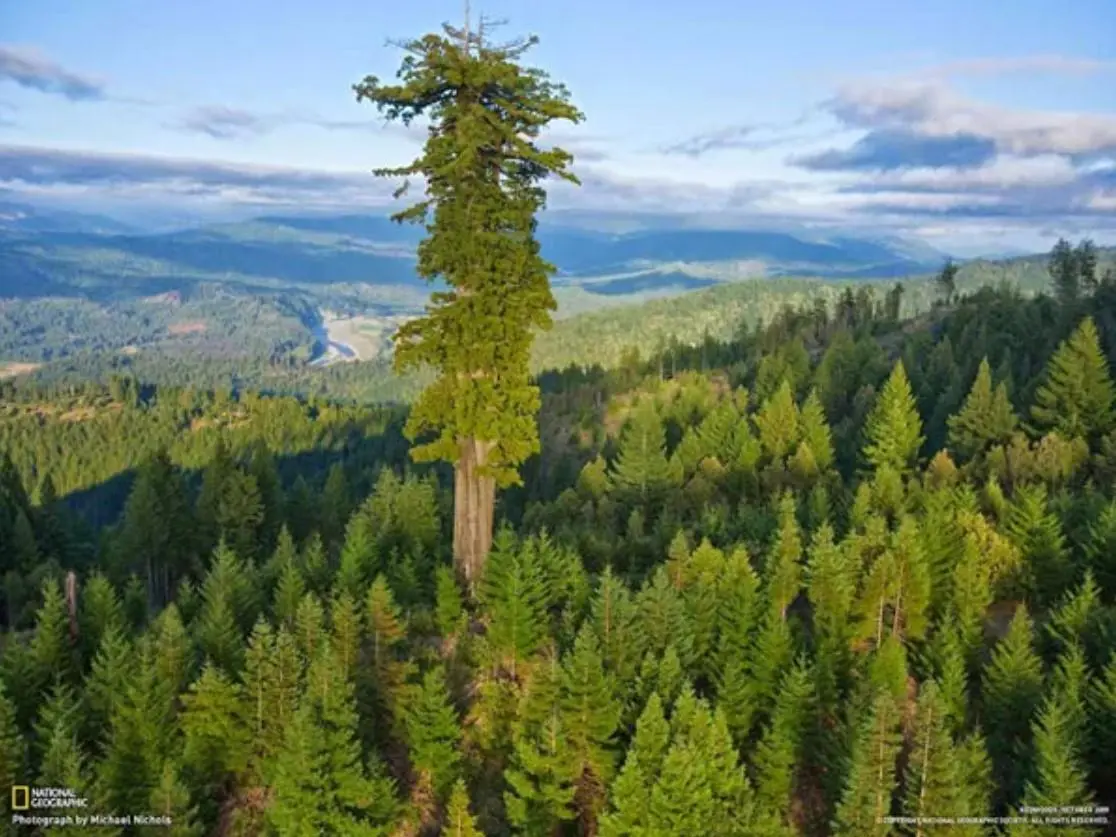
(139, 737)
(630, 793)
(871, 778)
(217, 739)
(815, 431)
(289, 593)
(985, 419)
(13, 750)
(783, 572)
(460, 821)
(894, 428)
(358, 554)
(322, 784)
(1063, 270)
(1102, 724)
(449, 613)
(217, 627)
(346, 631)
(591, 719)
(514, 596)
(99, 611)
(63, 763)
(778, 423)
(641, 466)
(170, 798)
(542, 773)
(702, 789)
(433, 733)
(933, 785)
(1060, 779)
(779, 750)
(105, 684)
(1011, 691)
(335, 504)
(1076, 399)
(310, 628)
(51, 647)
(481, 220)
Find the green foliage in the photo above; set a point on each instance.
(322, 783)
(478, 334)
(433, 732)
(1076, 396)
(1011, 691)
(986, 418)
(894, 428)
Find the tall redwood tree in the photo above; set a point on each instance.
(482, 168)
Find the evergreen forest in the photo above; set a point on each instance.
(842, 572)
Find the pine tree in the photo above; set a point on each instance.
(933, 785)
(1102, 724)
(13, 750)
(1060, 779)
(894, 429)
(641, 466)
(985, 419)
(630, 794)
(946, 280)
(702, 789)
(1011, 691)
(591, 718)
(449, 613)
(51, 646)
(104, 688)
(310, 628)
(872, 773)
(542, 773)
(478, 335)
(288, 595)
(359, 554)
(217, 627)
(99, 611)
(778, 423)
(217, 739)
(815, 431)
(322, 784)
(140, 733)
(433, 732)
(1063, 270)
(171, 799)
(514, 596)
(783, 572)
(336, 504)
(779, 750)
(460, 822)
(1076, 397)
(1037, 532)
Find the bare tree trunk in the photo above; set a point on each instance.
(71, 604)
(474, 500)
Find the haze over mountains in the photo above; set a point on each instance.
(57, 253)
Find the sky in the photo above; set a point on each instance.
(972, 126)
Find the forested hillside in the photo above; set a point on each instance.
(262, 342)
(841, 567)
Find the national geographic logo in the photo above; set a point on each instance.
(26, 798)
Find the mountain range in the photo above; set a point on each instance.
(354, 261)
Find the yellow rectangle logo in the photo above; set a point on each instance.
(21, 797)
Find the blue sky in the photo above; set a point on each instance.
(971, 125)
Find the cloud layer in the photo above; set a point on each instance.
(32, 70)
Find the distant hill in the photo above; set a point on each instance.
(24, 218)
(367, 262)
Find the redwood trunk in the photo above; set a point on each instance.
(474, 499)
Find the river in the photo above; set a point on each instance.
(328, 350)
